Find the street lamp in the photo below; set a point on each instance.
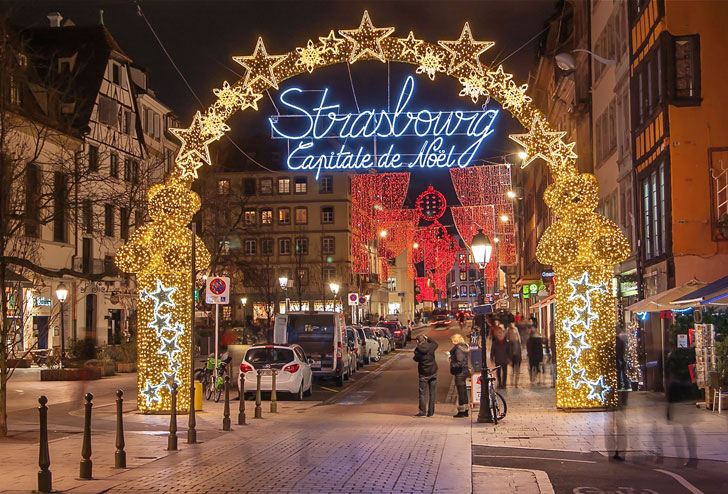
(482, 249)
(243, 302)
(511, 194)
(283, 280)
(334, 287)
(61, 294)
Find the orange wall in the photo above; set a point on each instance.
(695, 129)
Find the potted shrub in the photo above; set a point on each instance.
(127, 356)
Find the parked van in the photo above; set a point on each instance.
(322, 335)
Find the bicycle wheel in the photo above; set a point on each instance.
(494, 411)
(499, 406)
(218, 393)
(209, 387)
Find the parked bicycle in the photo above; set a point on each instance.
(213, 387)
(497, 402)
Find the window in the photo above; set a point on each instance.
(719, 174)
(114, 165)
(93, 158)
(327, 214)
(266, 246)
(326, 184)
(124, 223)
(473, 291)
(472, 275)
(653, 213)
(284, 185)
(59, 207)
(328, 245)
(108, 111)
(284, 246)
(109, 220)
(250, 247)
(126, 129)
(266, 217)
(463, 290)
(249, 217)
(266, 186)
(223, 187)
(127, 169)
(301, 215)
(302, 276)
(302, 246)
(463, 276)
(301, 185)
(392, 284)
(328, 273)
(454, 292)
(116, 73)
(157, 126)
(686, 51)
(605, 132)
(224, 247)
(32, 200)
(135, 172)
(249, 186)
(284, 216)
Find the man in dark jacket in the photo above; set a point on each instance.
(427, 369)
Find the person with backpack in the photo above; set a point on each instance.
(427, 371)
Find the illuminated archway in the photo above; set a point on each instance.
(581, 246)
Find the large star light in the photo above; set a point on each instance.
(367, 39)
(584, 316)
(538, 141)
(162, 295)
(577, 342)
(330, 43)
(260, 65)
(170, 347)
(160, 322)
(577, 376)
(409, 45)
(598, 389)
(465, 51)
(150, 393)
(195, 140)
(582, 289)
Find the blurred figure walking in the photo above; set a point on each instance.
(514, 345)
(534, 348)
(500, 356)
(427, 370)
(459, 369)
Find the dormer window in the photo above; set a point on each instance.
(116, 73)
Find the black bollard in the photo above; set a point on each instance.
(241, 405)
(191, 431)
(45, 483)
(86, 466)
(172, 438)
(226, 410)
(258, 407)
(120, 455)
(273, 397)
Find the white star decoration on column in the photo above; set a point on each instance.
(150, 393)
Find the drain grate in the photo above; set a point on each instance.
(519, 437)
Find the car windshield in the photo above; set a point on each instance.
(259, 356)
(361, 333)
(370, 333)
(313, 332)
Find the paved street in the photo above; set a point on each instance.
(364, 438)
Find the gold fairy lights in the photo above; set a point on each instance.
(460, 59)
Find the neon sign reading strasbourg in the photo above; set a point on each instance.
(443, 138)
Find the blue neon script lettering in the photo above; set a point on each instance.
(444, 138)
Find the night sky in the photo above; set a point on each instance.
(202, 36)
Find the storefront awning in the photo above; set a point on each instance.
(664, 300)
(715, 292)
(544, 302)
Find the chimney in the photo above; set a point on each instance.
(55, 19)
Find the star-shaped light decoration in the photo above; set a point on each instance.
(169, 347)
(577, 342)
(598, 390)
(584, 316)
(577, 376)
(367, 39)
(161, 296)
(194, 150)
(499, 79)
(177, 329)
(465, 51)
(160, 322)
(473, 86)
(150, 393)
(249, 99)
(409, 45)
(170, 378)
(430, 62)
(330, 43)
(538, 142)
(260, 65)
(309, 57)
(582, 289)
(565, 150)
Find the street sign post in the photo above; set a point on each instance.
(217, 291)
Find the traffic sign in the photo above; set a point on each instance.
(353, 299)
(217, 290)
(362, 300)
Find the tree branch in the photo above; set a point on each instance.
(54, 273)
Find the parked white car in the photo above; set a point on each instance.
(373, 351)
(384, 342)
(294, 370)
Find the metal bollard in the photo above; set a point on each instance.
(45, 483)
(120, 455)
(172, 439)
(86, 465)
(191, 431)
(258, 408)
(273, 397)
(241, 405)
(226, 410)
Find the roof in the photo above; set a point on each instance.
(664, 300)
(710, 292)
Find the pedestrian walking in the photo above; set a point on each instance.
(459, 369)
(514, 347)
(427, 370)
(517, 318)
(552, 350)
(623, 380)
(534, 348)
(500, 356)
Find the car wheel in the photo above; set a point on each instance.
(379, 354)
(298, 395)
(309, 391)
(340, 380)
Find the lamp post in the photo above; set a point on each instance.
(243, 302)
(482, 249)
(283, 281)
(61, 294)
(334, 287)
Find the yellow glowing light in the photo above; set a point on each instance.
(330, 43)
(260, 65)
(415, 245)
(473, 86)
(309, 57)
(383, 233)
(430, 62)
(498, 78)
(409, 46)
(504, 218)
(522, 155)
(465, 52)
(367, 39)
(511, 194)
(538, 141)
(195, 139)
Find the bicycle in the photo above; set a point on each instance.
(212, 388)
(497, 402)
